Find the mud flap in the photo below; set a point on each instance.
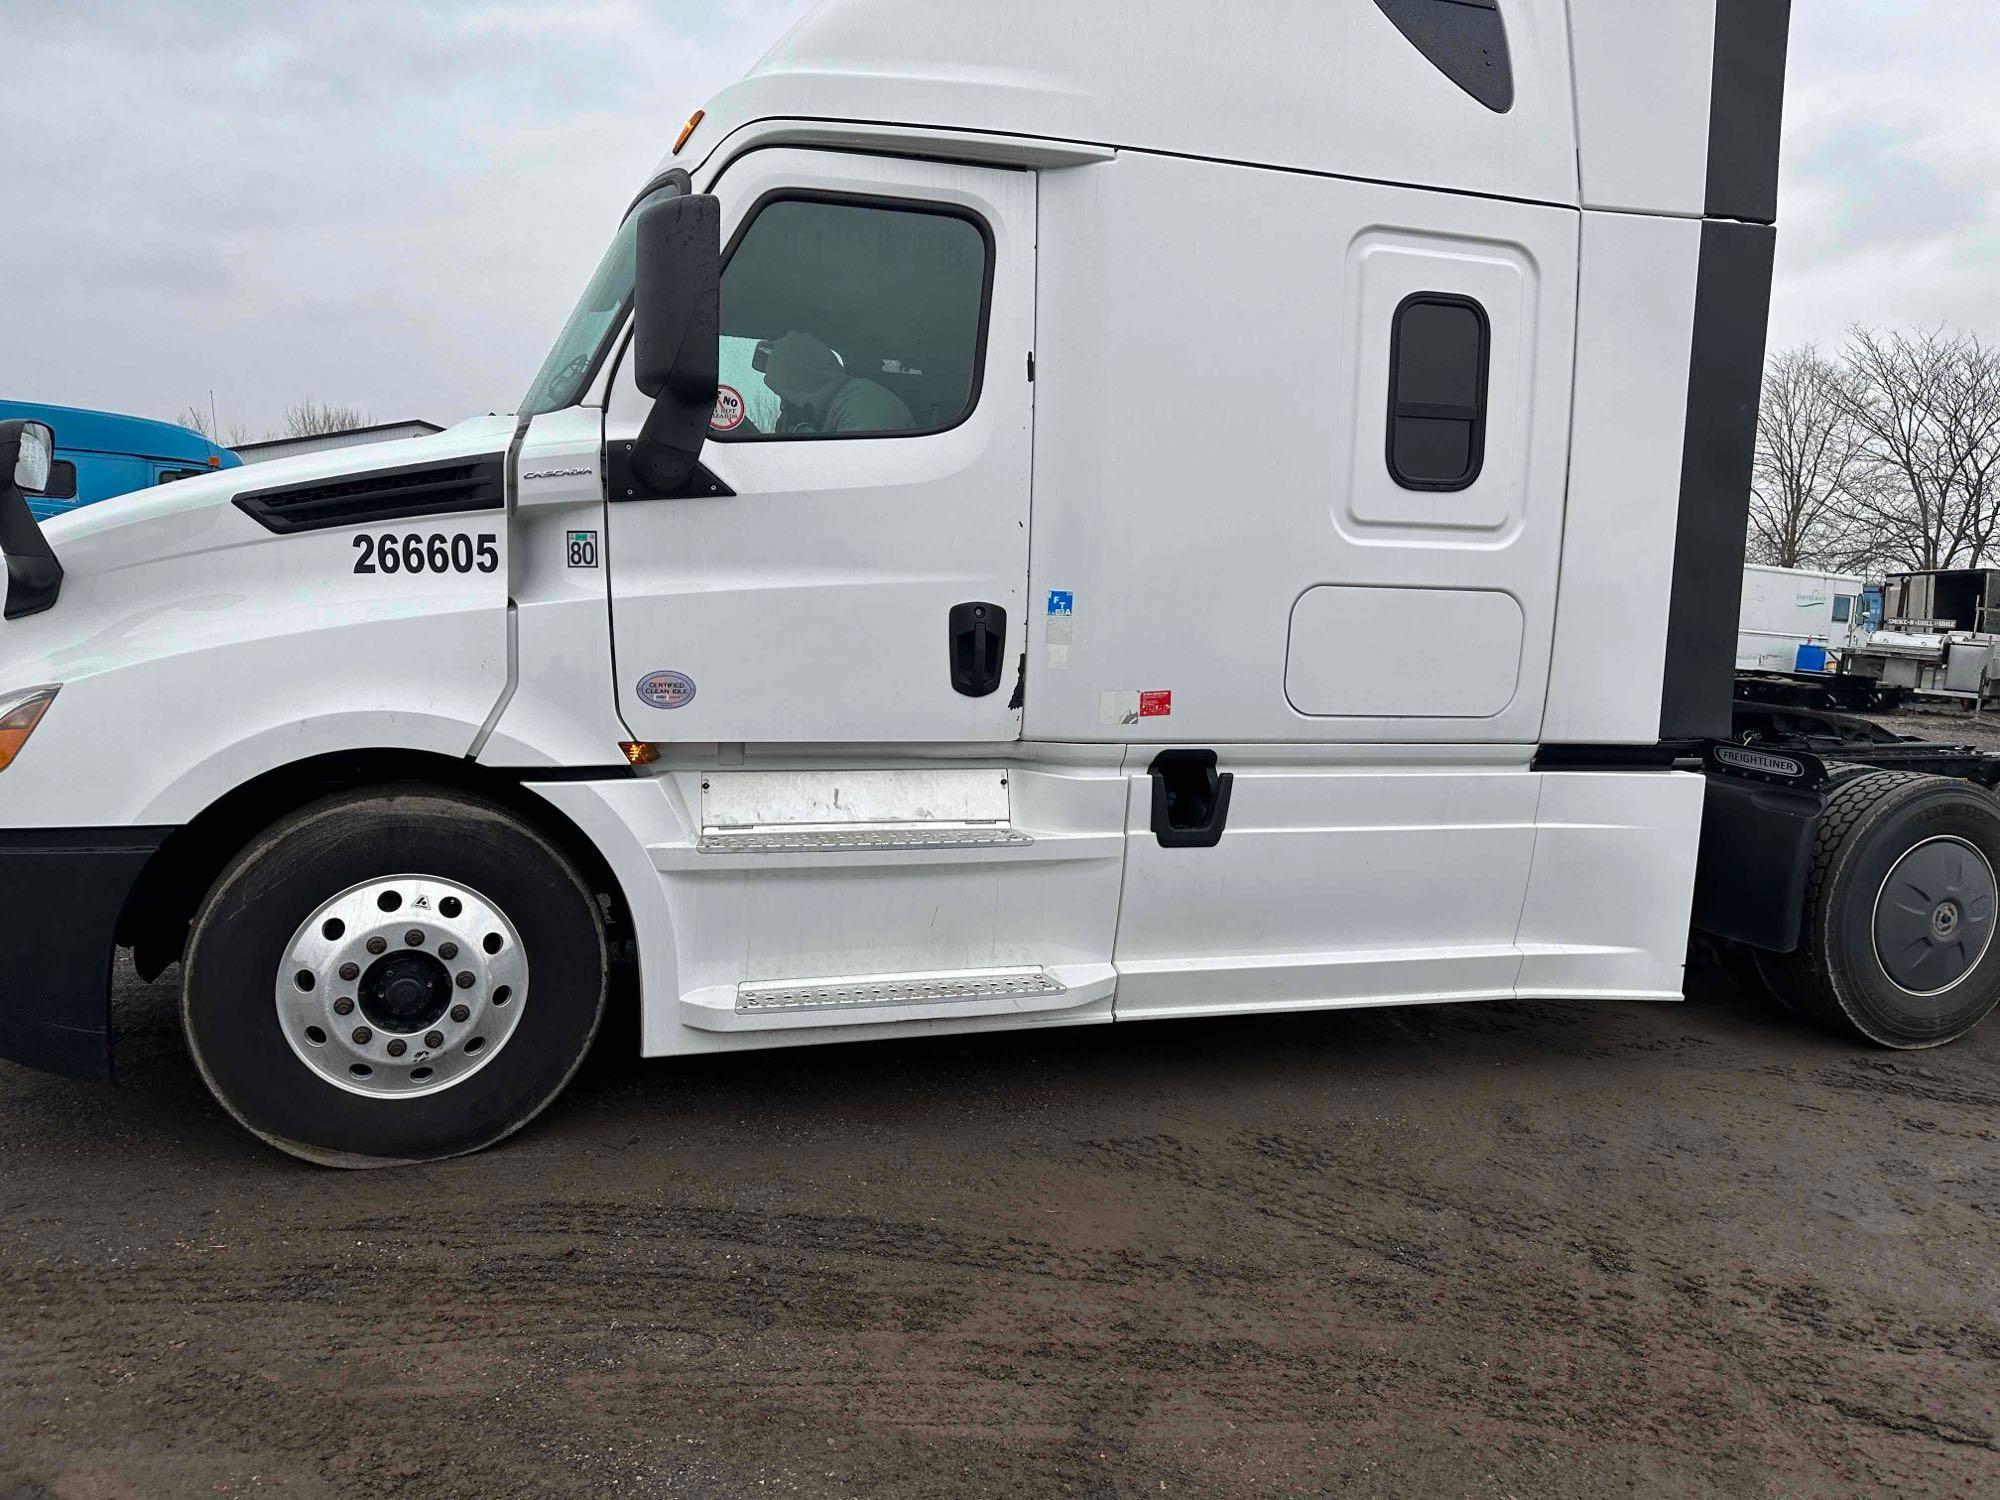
(61, 892)
(1756, 852)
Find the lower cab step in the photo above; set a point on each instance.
(875, 999)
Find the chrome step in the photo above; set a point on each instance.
(808, 840)
(898, 989)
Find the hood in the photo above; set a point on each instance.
(196, 514)
(151, 571)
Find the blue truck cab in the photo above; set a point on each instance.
(102, 453)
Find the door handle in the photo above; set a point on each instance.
(978, 640)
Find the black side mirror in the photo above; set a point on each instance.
(34, 577)
(34, 454)
(675, 343)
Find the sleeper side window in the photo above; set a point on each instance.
(852, 317)
(1438, 356)
(1843, 608)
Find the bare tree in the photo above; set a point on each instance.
(1925, 408)
(195, 419)
(1807, 462)
(313, 418)
(239, 434)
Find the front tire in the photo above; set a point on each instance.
(1902, 908)
(393, 976)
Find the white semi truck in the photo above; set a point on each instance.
(1046, 515)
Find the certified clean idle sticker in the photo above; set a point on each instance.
(728, 409)
(666, 689)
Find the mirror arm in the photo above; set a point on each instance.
(660, 462)
(34, 576)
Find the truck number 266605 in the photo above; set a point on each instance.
(414, 552)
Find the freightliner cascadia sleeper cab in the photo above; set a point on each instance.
(1045, 515)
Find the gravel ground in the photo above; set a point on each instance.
(1548, 1249)
(1945, 726)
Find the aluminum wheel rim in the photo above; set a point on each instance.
(1934, 916)
(359, 994)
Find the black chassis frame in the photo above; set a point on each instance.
(1767, 788)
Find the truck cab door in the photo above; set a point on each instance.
(852, 566)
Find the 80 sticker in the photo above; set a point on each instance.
(414, 552)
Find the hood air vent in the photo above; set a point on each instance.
(432, 489)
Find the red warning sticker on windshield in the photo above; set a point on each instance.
(1155, 705)
(728, 409)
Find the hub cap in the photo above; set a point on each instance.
(1934, 916)
(402, 987)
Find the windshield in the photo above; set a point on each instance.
(598, 313)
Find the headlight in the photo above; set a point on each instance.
(20, 712)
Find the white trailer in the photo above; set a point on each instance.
(1161, 549)
(1797, 619)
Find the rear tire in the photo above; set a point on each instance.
(1902, 906)
(393, 976)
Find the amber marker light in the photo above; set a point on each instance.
(687, 130)
(638, 752)
(19, 714)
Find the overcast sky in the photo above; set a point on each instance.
(392, 205)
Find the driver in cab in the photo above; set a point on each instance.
(820, 396)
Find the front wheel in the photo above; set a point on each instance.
(393, 976)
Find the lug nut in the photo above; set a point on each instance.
(363, 1036)
(350, 972)
(413, 939)
(343, 1007)
(378, 945)
(465, 980)
(433, 1039)
(397, 1046)
(461, 1012)
(447, 951)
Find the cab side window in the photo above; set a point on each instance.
(1438, 354)
(852, 317)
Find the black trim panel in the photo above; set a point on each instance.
(622, 481)
(1466, 40)
(1683, 756)
(62, 891)
(1747, 108)
(1725, 381)
(440, 487)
